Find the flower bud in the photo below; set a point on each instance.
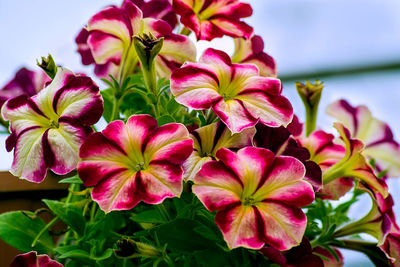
(147, 48)
(310, 94)
(49, 66)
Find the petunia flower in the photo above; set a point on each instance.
(109, 41)
(252, 51)
(391, 247)
(375, 134)
(206, 142)
(214, 18)
(324, 152)
(48, 129)
(257, 196)
(235, 92)
(31, 259)
(133, 162)
(354, 164)
(377, 222)
(158, 9)
(25, 82)
(280, 141)
(101, 70)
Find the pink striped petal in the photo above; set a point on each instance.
(213, 19)
(270, 110)
(283, 224)
(336, 189)
(170, 143)
(116, 21)
(62, 146)
(216, 186)
(24, 113)
(239, 226)
(208, 140)
(234, 115)
(285, 183)
(193, 164)
(195, 86)
(117, 191)
(79, 100)
(130, 137)
(161, 181)
(105, 47)
(29, 163)
(176, 50)
(251, 51)
(250, 164)
(232, 28)
(220, 63)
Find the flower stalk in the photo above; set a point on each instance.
(310, 94)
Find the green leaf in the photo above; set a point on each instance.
(71, 180)
(164, 119)
(180, 235)
(104, 225)
(173, 106)
(19, 231)
(212, 258)
(148, 216)
(69, 213)
(78, 255)
(108, 98)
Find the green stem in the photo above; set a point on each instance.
(93, 211)
(311, 119)
(68, 200)
(44, 229)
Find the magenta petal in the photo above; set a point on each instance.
(31, 259)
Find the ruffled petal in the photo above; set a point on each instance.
(194, 85)
(216, 186)
(176, 50)
(283, 225)
(234, 115)
(270, 110)
(29, 163)
(239, 226)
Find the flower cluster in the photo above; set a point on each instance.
(198, 157)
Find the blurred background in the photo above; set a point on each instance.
(353, 46)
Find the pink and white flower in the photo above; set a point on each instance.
(257, 196)
(206, 142)
(354, 164)
(25, 82)
(31, 259)
(391, 247)
(235, 92)
(326, 153)
(375, 134)
(48, 129)
(133, 162)
(210, 19)
(108, 39)
(252, 51)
